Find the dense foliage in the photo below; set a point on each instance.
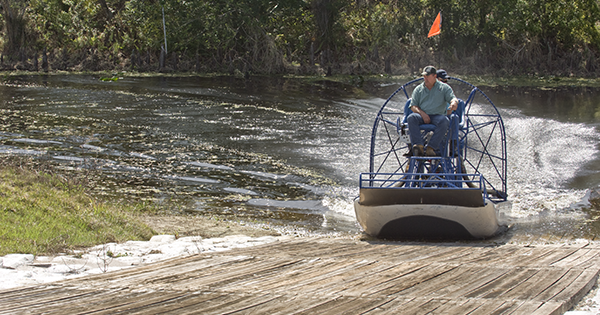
(304, 36)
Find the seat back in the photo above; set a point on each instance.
(458, 124)
(407, 111)
(460, 113)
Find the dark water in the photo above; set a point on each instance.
(283, 152)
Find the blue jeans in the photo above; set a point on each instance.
(441, 123)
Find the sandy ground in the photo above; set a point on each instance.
(204, 227)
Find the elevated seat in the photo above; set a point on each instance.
(408, 111)
(457, 123)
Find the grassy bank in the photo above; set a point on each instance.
(44, 213)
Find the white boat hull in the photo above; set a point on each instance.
(428, 220)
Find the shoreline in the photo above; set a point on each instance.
(533, 81)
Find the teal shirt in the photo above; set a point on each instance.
(434, 101)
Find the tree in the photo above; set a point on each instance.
(13, 12)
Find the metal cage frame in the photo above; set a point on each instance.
(413, 172)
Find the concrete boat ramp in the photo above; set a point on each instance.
(333, 276)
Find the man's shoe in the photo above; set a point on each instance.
(430, 152)
(417, 150)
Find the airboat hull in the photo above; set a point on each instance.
(428, 220)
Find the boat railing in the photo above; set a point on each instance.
(422, 181)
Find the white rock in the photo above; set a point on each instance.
(13, 261)
(162, 238)
(25, 269)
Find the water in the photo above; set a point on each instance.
(283, 152)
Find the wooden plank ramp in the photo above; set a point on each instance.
(333, 276)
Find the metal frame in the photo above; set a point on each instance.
(479, 147)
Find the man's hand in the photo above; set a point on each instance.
(453, 104)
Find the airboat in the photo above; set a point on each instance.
(452, 196)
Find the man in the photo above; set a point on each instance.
(442, 75)
(429, 106)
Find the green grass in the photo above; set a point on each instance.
(45, 214)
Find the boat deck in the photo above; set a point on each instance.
(333, 276)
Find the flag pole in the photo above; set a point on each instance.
(436, 29)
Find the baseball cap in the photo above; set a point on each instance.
(429, 70)
(442, 74)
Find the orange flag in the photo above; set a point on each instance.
(436, 28)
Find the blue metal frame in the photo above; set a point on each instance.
(422, 180)
(478, 147)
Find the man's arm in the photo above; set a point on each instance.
(416, 101)
(416, 109)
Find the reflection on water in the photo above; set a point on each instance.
(283, 151)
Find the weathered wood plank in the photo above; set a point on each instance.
(560, 285)
(328, 305)
(392, 306)
(41, 300)
(287, 304)
(593, 259)
(580, 256)
(124, 302)
(241, 305)
(207, 272)
(397, 285)
(225, 277)
(421, 305)
(58, 304)
(425, 253)
(455, 277)
(479, 278)
(326, 280)
(355, 306)
(30, 295)
(314, 275)
(466, 307)
(550, 308)
(530, 256)
(164, 270)
(491, 256)
(577, 289)
(455, 254)
(495, 307)
(536, 284)
(397, 252)
(370, 286)
(528, 307)
(364, 279)
(502, 284)
(197, 303)
(447, 306)
(304, 273)
(329, 277)
(333, 277)
(295, 273)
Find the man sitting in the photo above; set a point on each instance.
(429, 105)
